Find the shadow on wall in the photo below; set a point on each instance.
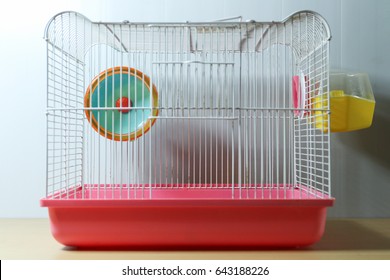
(358, 160)
(374, 141)
(338, 234)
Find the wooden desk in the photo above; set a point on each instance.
(343, 239)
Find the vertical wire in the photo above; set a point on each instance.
(299, 118)
(209, 114)
(285, 114)
(133, 39)
(49, 138)
(247, 112)
(219, 50)
(325, 137)
(184, 123)
(114, 151)
(296, 167)
(189, 122)
(251, 120)
(201, 96)
(176, 108)
(89, 131)
(328, 138)
(225, 112)
(166, 103)
(129, 144)
(311, 88)
(234, 115)
(262, 120)
(204, 102)
(320, 167)
(295, 27)
(196, 113)
(51, 132)
(97, 69)
(137, 63)
(209, 133)
(277, 113)
(120, 114)
(307, 131)
(142, 53)
(151, 83)
(310, 80)
(83, 140)
(66, 103)
(252, 112)
(73, 120)
(173, 95)
(256, 112)
(62, 112)
(78, 142)
(273, 116)
(176, 101)
(293, 166)
(97, 162)
(240, 120)
(269, 114)
(161, 112)
(225, 109)
(163, 104)
(116, 83)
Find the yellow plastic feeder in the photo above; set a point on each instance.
(352, 103)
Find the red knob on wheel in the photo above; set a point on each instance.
(123, 102)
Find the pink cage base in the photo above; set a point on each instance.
(185, 217)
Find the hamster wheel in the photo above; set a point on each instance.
(121, 103)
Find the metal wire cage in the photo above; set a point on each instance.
(213, 114)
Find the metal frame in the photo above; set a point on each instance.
(226, 115)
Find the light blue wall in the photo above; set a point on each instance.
(360, 42)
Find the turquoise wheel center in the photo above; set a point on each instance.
(117, 91)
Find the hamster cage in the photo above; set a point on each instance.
(187, 134)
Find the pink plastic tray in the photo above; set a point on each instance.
(187, 217)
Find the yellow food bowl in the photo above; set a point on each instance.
(351, 107)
